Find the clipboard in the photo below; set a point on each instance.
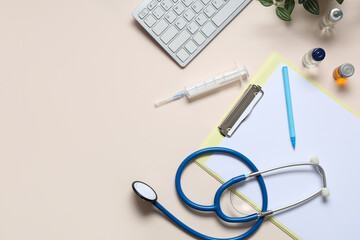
(266, 72)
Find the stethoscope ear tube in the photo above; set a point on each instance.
(313, 162)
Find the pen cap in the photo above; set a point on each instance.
(318, 54)
(346, 70)
(335, 14)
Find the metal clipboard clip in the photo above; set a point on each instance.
(234, 118)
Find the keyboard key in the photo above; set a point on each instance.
(158, 12)
(190, 46)
(187, 2)
(151, 5)
(179, 41)
(208, 29)
(160, 27)
(205, 1)
(179, 8)
(189, 15)
(143, 13)
(224, 13)
(166, 4)
(183, 55)
(218, 3)
(193, 27)
(199, 38)
(209, 11)
(169, 34)
(197, 6)
(180, 23)
(150, 21)
(170, 17)
(201, 19)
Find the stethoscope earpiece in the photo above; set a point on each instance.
(325, 192)
(314, 160)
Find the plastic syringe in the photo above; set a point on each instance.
(194, 90)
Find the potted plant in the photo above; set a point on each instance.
(284, 8)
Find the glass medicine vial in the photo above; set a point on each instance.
(342, 72)
(331, 18)
(313, 57)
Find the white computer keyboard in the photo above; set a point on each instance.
(184, 27)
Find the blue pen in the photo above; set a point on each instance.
(289, 105)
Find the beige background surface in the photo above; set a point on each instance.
(78, 80)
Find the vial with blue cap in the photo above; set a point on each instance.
(313, 57)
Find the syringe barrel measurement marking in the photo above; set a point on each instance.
(211, 84)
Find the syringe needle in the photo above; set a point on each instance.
(167, 100)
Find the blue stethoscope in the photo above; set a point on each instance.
(145, 192)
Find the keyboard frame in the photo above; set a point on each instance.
(144, 4)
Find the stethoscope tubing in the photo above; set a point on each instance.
(216, 206)
(200, 235)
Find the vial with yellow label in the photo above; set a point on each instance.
(342, 72)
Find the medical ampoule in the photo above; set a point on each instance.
(331, 18)
(342, 72)
(313, 57)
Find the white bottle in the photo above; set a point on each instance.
(331, 18)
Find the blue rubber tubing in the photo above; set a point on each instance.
(216, 206)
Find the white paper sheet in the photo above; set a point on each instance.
(323, 128)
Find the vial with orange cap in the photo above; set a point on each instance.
(343, 72)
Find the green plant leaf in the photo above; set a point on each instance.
(302, 1)
(289, 5)
(312, 6)
(283, 14)
(340, 1)
(266, 3)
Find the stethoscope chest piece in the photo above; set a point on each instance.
(144, 191)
